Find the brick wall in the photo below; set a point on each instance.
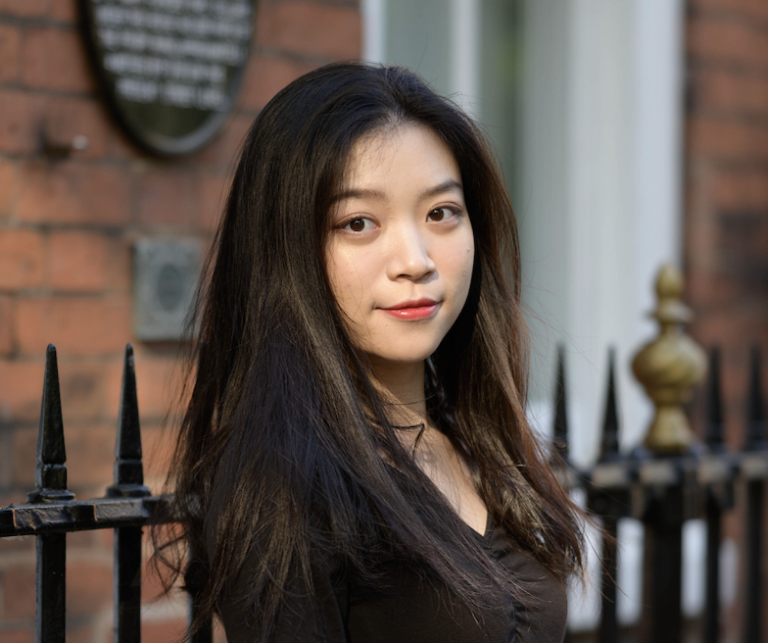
(726, 211)
(726, 217)
(66, 232)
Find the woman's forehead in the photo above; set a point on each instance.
(388, 152)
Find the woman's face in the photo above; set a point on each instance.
(400, 252)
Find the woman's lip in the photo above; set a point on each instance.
(416, 303)
(413, 309)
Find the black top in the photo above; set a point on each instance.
(407, 609)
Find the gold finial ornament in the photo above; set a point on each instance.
(669, 367)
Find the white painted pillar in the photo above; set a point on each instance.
(374, 18)
(602, 130)
(465, 53)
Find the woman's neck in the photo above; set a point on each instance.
(403, 384)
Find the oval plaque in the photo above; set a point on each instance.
(170, 69)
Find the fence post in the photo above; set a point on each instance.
(668, 368)
(719, 496)
(757, 440)
(128, 482)
(610, 510)
(51, 486)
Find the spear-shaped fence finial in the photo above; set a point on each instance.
(560, 431)
(129, 470)
(51, 472)
(609, 448)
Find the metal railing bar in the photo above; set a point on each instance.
(757, 439)
(81, 515)
(51, 486)
(610, 506)
(609, 624)
(50, 591)
(129, 483)
(128, 584)
(714, 436)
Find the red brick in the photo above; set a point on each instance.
(76, 326)
(166, 199)
(8, 188)
(80, 633)
(19, 591)
(10, 46)
(90, 455)
(118, 269)
(726, 139)
(119, 146)
(737, 8)
(21, 387)
(265, 76)
(212, 196)
(64, 10)
(310, 28)
(24, 450)
(20, 635)
(22, 259)
(67, 118)
(6, 466)
(82, 390)
(21, 118)
(157, 384)
(20, 545)
(221, 153)
(55, 59)
(152, 584)
(711, 38)
(104, 539)
(6, 325)
(158, 444)
(89, 587)
(78, 261)
(707, 288)
(731, 92)
(25, 8)
(741, 190)
(73, 193)
(735, 329)
(86, 542)
(701, 243)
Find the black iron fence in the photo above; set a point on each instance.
(51, 511)
(665, 491)
(661, 490)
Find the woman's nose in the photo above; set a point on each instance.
(409, 254)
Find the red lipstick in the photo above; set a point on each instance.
(417, 309)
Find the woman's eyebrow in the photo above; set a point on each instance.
(359, 193)
(450, 185)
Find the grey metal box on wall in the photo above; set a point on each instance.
(166, 273)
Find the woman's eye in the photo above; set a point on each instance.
(357, 225)
(441, 214)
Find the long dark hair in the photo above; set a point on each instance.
(286, 449)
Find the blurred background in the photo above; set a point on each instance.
(631, 133)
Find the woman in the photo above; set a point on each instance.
(355, 462)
